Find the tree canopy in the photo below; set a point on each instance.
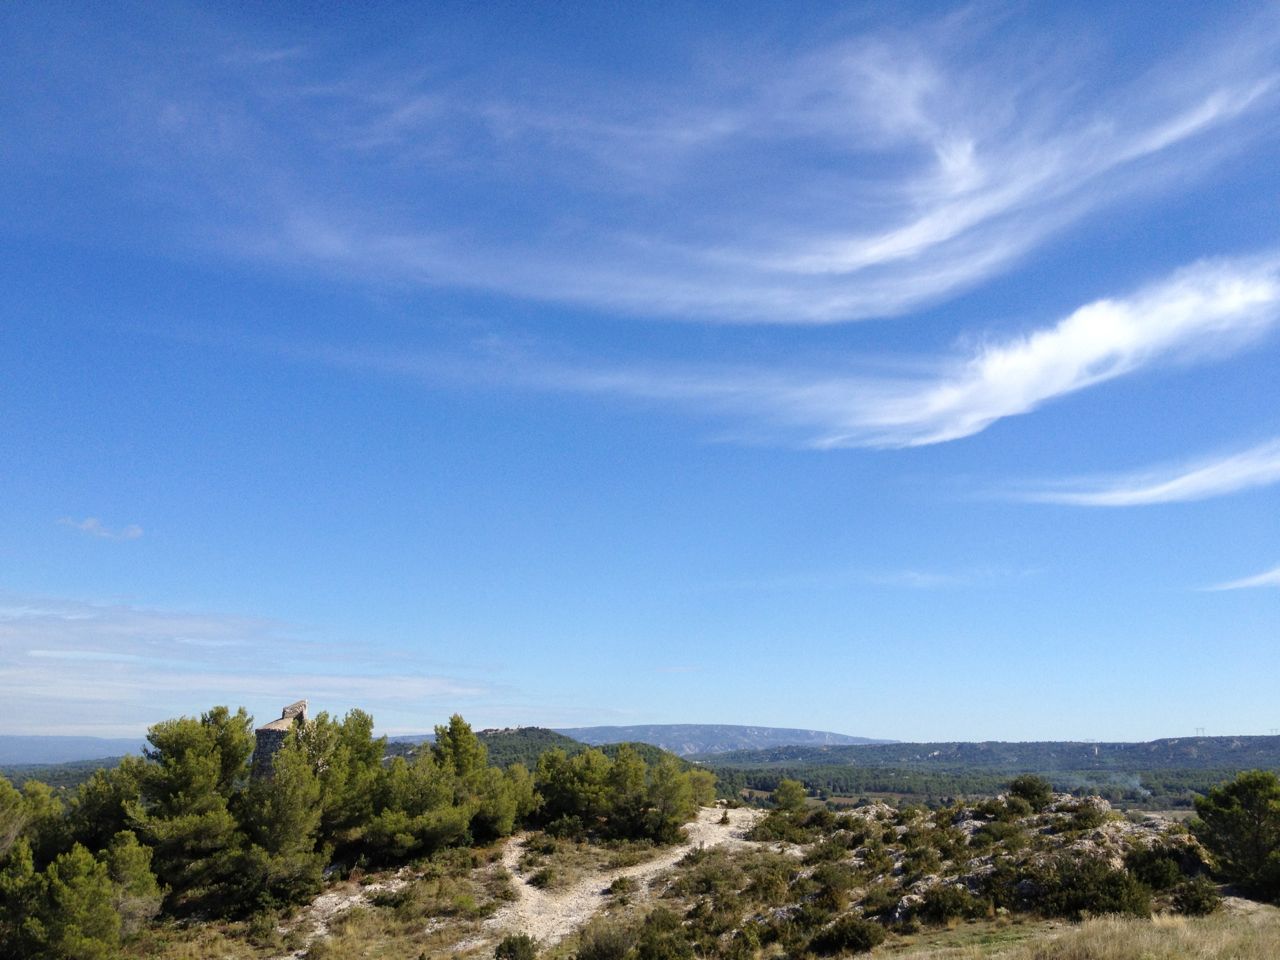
(185, 829)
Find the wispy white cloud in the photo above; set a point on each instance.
(978, 189)
(115, 668)
(1269, 578)
(1208, 309)
(94, 528)
(1256, 467)
(865, 177)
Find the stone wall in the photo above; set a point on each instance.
(271, 737)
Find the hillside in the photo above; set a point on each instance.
(67, 775)
(525, 744)
(688, 739)
(1159, 774)
(1183, 753)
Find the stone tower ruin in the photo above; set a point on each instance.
(271, 737)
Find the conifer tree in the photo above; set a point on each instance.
(136, 894)
(282, 818)
(21, 897)
(184, 812)
(13, 816)
(671, 800)
(459, 749)
(77, 912)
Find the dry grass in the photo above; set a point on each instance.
(1220, 937)
(554, 864)
(438, 914)
(200, 941)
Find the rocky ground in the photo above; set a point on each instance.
(549, 916)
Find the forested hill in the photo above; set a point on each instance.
(687, 739)
(526, 744)
(1182, 753)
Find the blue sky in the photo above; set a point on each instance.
(902, 370)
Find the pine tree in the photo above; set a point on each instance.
(137, 896)
(78, 910)
(13, 816)
(21, 896)
(1239, 822)
(459, 749)
(184, 814)
(282, 817)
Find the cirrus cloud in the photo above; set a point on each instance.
(1207, 310)
(1258, 466)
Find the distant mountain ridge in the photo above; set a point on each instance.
(1172, 753)
(688, 739)
(39, 749)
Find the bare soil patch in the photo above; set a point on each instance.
(550, 915)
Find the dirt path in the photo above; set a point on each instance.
(550, 916)
(313, 922)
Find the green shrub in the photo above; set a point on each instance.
(622, 886)
(834, 881)
(1037, 792)
(1197, 897)
(875, 858)
(769, 883)
(849, 934)
(1073, 887)
(880, 899)
(831, 849)
(1016, 807)
(789, 796)
(745, 944)
(663, 937)
(567, 827)
(946, 902)
(710, 872)
(1001, 884)
(1156, 867)
(603, 940)
(920, 862)
(1010, 808)
(820, 819)
(1005, 832)
(516, 946)
(811, 915)
(779, 826)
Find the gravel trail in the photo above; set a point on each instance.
(549, 916)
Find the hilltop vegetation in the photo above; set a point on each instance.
(526, 745)
(1183, 753)
(184, 832)
(1160, 774)
(60, 776)
(179, 853)
(688, 739)
(818, 883)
